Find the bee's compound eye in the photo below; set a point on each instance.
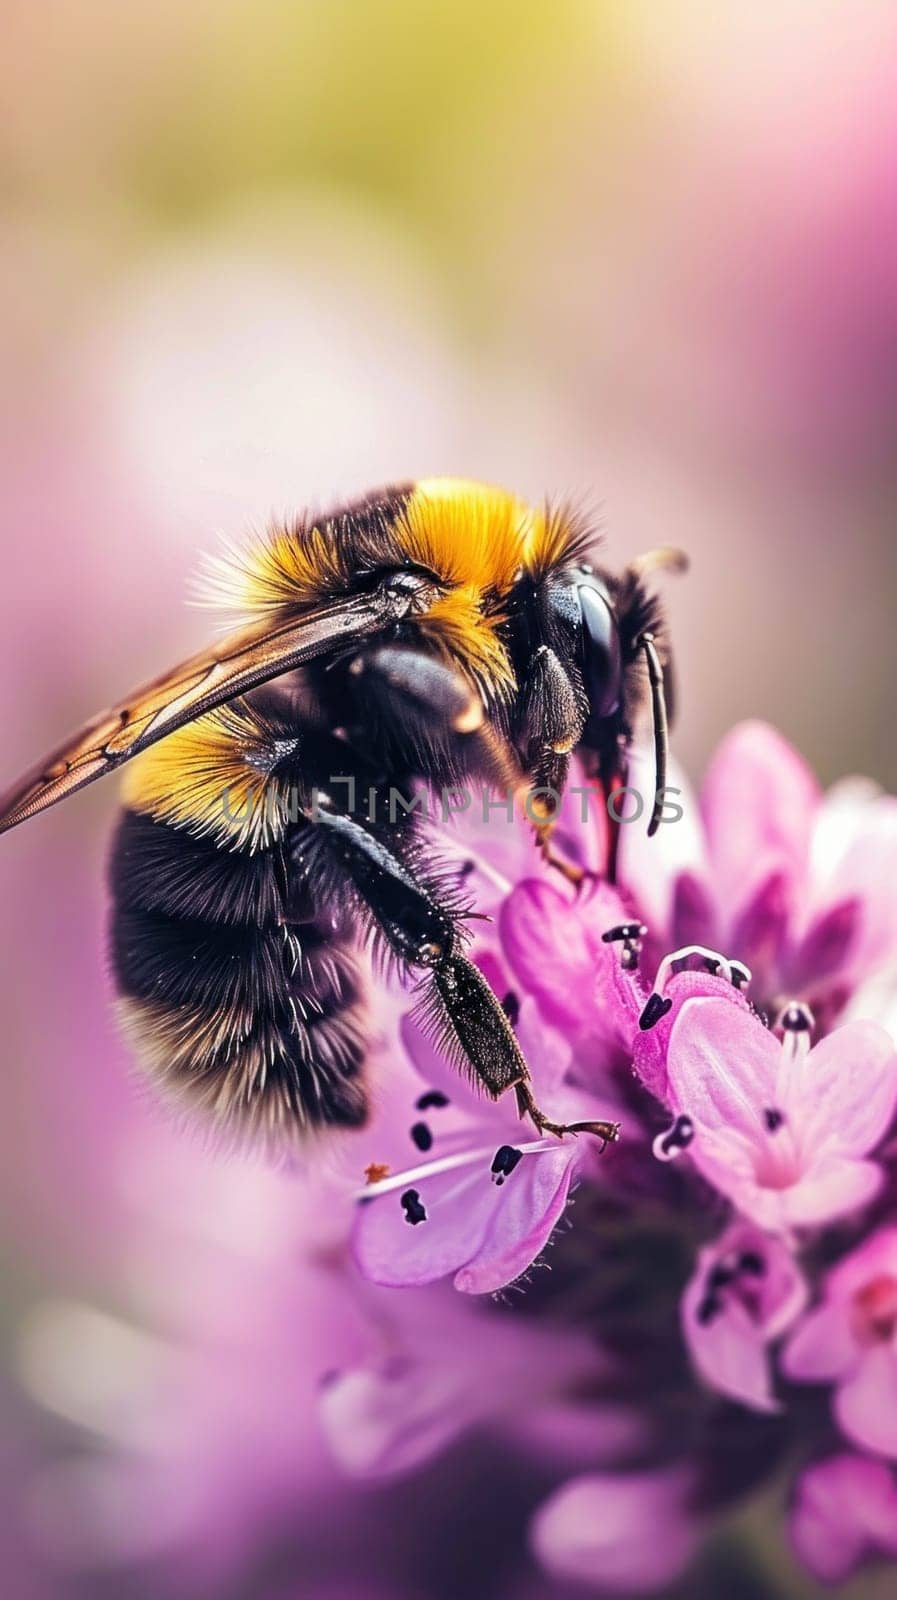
(601, 667)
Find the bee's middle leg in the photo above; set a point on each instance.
(425, 933)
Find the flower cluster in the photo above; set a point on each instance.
(720, 1313)
(728, 1003)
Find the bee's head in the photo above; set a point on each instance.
(589, 656)
(573, 612)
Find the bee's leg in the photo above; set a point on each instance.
(553, 720)
(607, 1132)
(426, 935)
(488, 1043)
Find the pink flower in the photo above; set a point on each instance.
(794, 883)
(850, 1340)
(444, 1365)
(746, 1291)
(845, 1510)
(484, 1202)
(621, 1534)
(783, 1131)
(652, 1016)
(552, 939)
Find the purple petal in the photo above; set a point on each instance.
(759, 800)
(650, 1046)
(729, 1324)
(693, 918)
(833, 1188)
(759, 934)
(726, 1071)
(435, 1071)
(546, 1051)
(723, 1066)
(845, 1090)
(538, 931)
(866, 1402)
(383, 1422)
(630, 1534)
(728, 1353)
(875, 1257)
(857, 847)
(484, 1232)
(495, 851)
(844, 1509)
(580, 1433)
(553, 943)
(822, 1346)
(826, 947)
(829, 1341)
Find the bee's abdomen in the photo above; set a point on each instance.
(245, 1007)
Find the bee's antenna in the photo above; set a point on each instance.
(661, 729)
(666, 558)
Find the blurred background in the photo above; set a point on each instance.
(258, 256)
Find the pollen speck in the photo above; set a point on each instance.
(376, 1171)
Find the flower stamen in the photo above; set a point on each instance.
(460, 1158)
(795, 1022)
(671, 1143)
(655, 1008)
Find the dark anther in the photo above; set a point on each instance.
(720, 1277)
(679, 1136)
(709, 1308)
(741, 975)
(433, 1100)
(624, 930)
(422, 1136)
(655, 1008)
(773, 1119)
(797, 1019)
(466, 868)
(629, 958)
(414, 1211)
(511, 1007)
(750, 1261)
(504, 1161)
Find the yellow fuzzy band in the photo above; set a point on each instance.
(214, 776)
(468, 533)
(475, 538)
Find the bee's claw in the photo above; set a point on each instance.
(607, 1132)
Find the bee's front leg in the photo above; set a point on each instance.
(553, 720)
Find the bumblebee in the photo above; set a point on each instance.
(437, 633)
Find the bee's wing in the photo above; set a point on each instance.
(236, 664)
